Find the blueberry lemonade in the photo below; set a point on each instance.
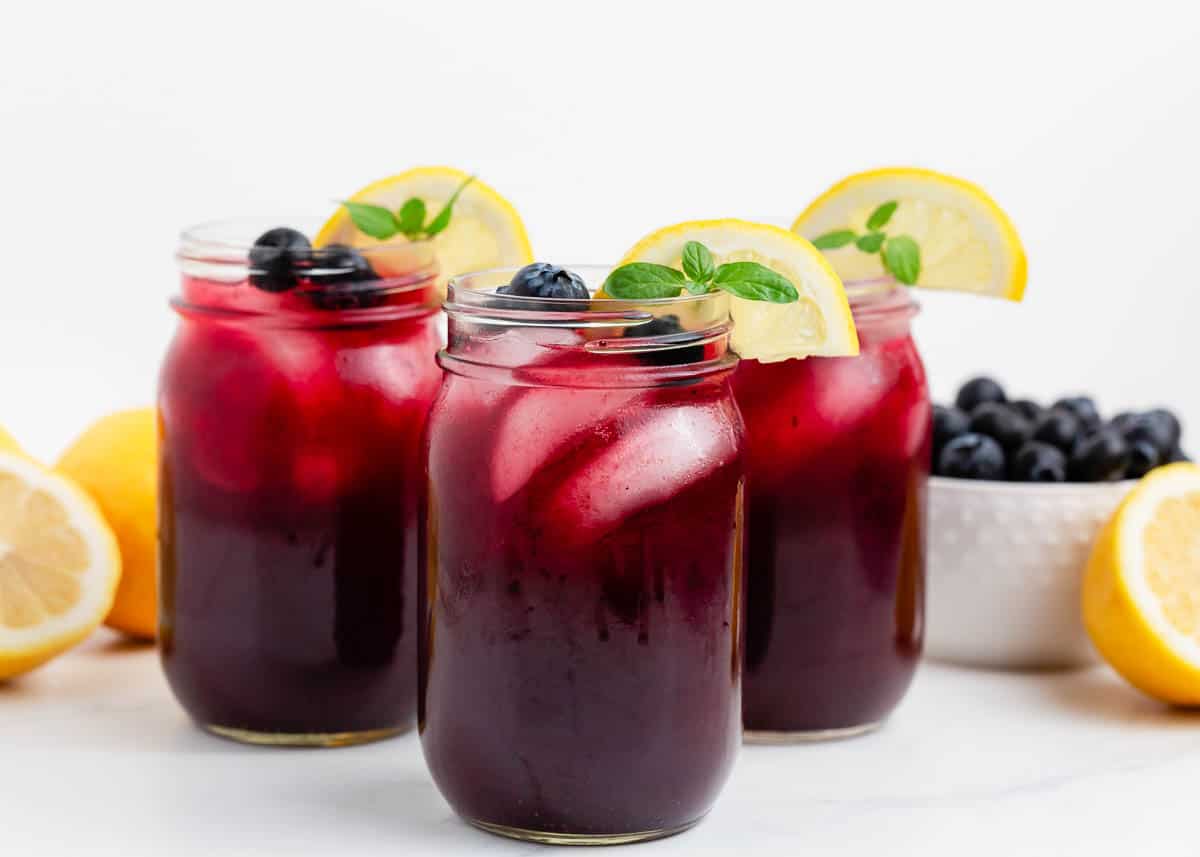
(581, 640)
(839, 452)
(292, 404)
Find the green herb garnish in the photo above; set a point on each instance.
(700, 275)
(409, 220)
(900, 254)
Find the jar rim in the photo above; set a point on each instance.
(874, 299)
(230, 239)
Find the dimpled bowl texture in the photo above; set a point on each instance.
(1005, 569)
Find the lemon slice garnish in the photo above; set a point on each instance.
(484, 232)
(819, 323)
(59, 564)
(1141, 594)
(968, 243)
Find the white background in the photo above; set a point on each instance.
(121, 122)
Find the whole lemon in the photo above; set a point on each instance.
(116, 462)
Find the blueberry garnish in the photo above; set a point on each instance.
(543, 280)
(1102, 456)
(972, 456)
(1143, 457)
(337, 263)
(274, 256)
(1001, 423)
(1058, 427)
(665, 326)
(948, 423)
(1084, 409)
(978, 391)
(1177, 455)
(1038, 462)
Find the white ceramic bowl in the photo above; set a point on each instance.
(1005, 566)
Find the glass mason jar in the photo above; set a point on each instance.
(839, 453)
(580, 656)
(290, 455)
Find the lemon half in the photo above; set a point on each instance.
(59, 565)
(1141, 593)
(8, 443)
(967, 242)
(819, 323)
(485, 230)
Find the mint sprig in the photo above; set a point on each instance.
(900, 254)
(409, 220)
(700, 275)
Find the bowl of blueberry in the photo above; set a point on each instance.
(1019, 493)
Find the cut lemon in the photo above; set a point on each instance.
(818, 324)
(968, 243)
(485, 230)
(8, 443)
(59, 565)
(1141, 594)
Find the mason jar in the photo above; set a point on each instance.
(839, 451)
(580, 662)
(291, 412)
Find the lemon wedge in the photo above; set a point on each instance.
(1141, 592)
(967, 242)
(484, 232)
(818, 324)
(59, 565)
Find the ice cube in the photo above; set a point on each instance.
(650, 462)
(539, 425)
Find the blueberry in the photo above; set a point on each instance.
(543, 280)
(274, 256)
(1102, 456)
(1038, 462)
(1028, 408)
(1171, 421)
(972, 456)
(1143, 457)
(1058, 427)
(977, 391)
(1001, 423)
(1122, 420)
(665, 326)
(1177, 455)
(1084, 409)
(337, 263)
(1159, 428)
(948, 423)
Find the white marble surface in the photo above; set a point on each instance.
(96, 758)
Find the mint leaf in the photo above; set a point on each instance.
(834, 240)
(373, 220)
(871, 242)
(698, 263)
(755, 282)
(902, 257)
(879, 217)
(411, 217)
(644, 281)
(695, 288)
(442, 220)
